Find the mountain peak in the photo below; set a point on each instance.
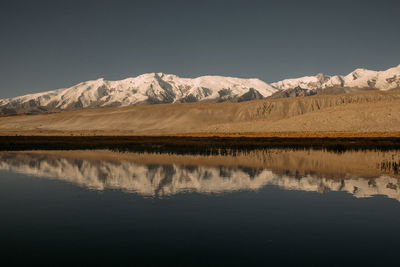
(159, 74)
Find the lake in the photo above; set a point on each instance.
(255, 207)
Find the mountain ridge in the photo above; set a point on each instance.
(161, 88)
(150, 88)
(359, 78)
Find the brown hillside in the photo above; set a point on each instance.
(368, 111)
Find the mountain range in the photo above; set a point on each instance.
(161, 88)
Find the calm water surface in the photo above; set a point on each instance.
(265, 207)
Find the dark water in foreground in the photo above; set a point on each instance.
(268, 207)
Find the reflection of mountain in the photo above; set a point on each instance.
(134, 173)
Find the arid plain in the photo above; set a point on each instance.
(364, 113)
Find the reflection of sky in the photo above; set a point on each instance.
(168, 179)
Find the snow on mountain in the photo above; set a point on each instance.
(151, 88)
(359, 78)
(307, 82)
(157, 88)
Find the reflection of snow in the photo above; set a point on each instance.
(163, 180)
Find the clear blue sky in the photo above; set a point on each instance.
(54, 44)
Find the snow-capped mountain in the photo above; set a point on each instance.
(151, 88)
(358, 79)
(157, 88)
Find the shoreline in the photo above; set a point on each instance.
(272, 134)
(205, 143)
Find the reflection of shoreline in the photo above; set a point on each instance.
(131, 172)
(196, 143)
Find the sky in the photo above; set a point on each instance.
(47, 45)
